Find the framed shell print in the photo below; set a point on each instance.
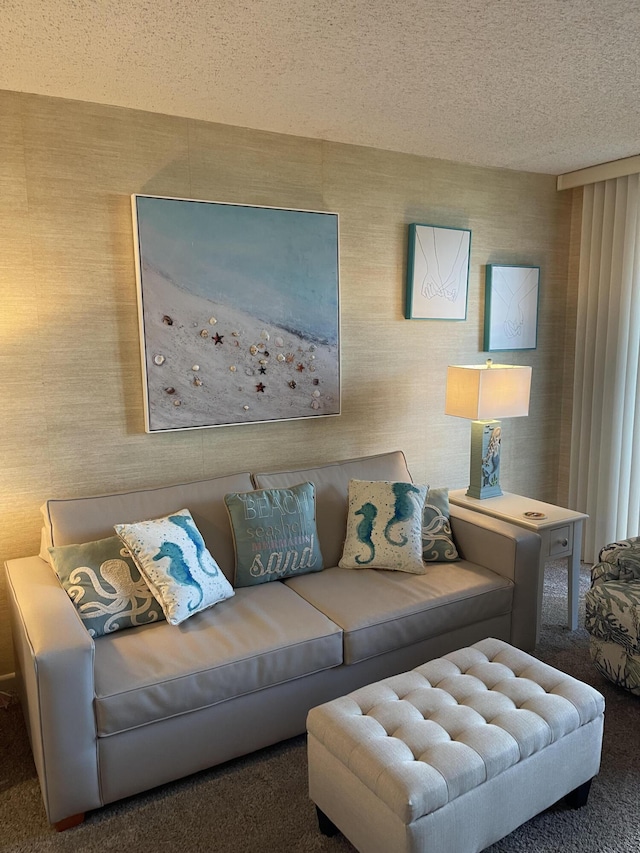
(238, 309)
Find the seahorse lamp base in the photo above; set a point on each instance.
(484, 472)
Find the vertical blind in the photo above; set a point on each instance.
(605, 439)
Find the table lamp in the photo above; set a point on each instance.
(482, 393)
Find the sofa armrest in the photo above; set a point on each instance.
(603, 572)
(510, 551)
(619, 561)
(54, 668)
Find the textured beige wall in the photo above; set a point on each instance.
(71, 384)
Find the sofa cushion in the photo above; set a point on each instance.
(274, 533)
(176, 564)
(437, 539)
(384, 526)
(263, 636)
(67, 521)
(105, 585)
(332, 485)
(380, 611)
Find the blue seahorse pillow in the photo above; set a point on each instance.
(384, 526)
(173, 558)
(274, 533)
(105, 585)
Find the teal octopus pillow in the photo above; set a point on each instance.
(437, 539)
(173, 558)
(384, 526)
(105, 585)
(274, 533)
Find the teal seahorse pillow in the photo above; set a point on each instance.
(173, 558)
(274, 533)
(437, 539)
(105, 585)
(384, 526)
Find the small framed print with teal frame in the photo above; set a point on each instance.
(511, 307)
(437, 272)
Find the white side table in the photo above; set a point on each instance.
(560, 530)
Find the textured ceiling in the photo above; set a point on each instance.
(535, 85)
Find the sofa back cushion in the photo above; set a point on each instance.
(77, 520)
(332, 486)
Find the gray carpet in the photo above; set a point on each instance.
(259, 803)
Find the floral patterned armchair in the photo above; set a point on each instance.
(613, 613)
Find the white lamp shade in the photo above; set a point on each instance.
(487, 392)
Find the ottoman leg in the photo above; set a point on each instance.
(327, 826)
(578, 798)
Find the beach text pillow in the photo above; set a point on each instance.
(173, 558)
(384, 526)
(274, 533)
(437, 539)
(105, 585)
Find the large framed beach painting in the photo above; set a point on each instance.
(239, 312)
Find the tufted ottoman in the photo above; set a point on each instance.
(453, 755)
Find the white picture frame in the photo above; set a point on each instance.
(238, 309)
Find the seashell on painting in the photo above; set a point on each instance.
(280, 357)
(196, 367)
(246, 408)
(167, 320)
(253, 349)
(212, 321)
(232, 368)
(170, 390)
(316, 393)
(279, 342)
(315, 404)
(177, 403)
(159, 359)
(236, 334)
(197, 381)
(265, 335)
(204, 333)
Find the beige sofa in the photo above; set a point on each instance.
(125, 712)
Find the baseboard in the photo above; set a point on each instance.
(8, 683)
